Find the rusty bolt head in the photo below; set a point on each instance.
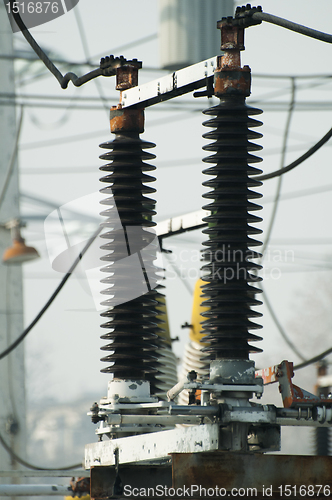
(232, 37)
(126, 77)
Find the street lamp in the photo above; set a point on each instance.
(18, 252)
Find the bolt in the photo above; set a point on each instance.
(95, 410)
(192, 375)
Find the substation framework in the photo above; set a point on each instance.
(220, 439)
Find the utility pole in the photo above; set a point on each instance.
(12, 379)
(323, 389)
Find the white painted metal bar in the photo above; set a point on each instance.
(182, 223)
(153, 446)
(175, 84)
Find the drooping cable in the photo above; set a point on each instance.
(23, 462)
(300, 160)
(282, 160)
(280, 328)
(51, 299)
(298, 28)
(313, 360)
(87, 56)
(62, 79)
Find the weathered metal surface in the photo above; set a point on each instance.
(263, 438)
(232, 81)
(127, 77)
(80, 486)
(229, 77)
(153, 446)
(232, 37)
(269, 375)
(291, 394)
(110, 65)
(175, 84)
(233, 470)
(134, 476)
(126, 120)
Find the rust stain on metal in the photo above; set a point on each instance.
(232, 470)
(269, 375)
(292, 395)
(229, 77)
(230, 59)
(230, 81)
(126, 77)
(126, 120)
(232, 37)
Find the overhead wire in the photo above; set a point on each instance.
(27, 464)
(62, 79)
(303, 241)
(313, 34)
(299, 160)
(276, 106)
(80, 137)
(280, 328)
(60, 121)
(282, 161)
(58, 60)
(15, 57)
(70, 76)
(298, 28)
(310, 361)
(42, 97)
(273, 217)
(301, 193)
(87, 56)
(21, 337)
(279, 93)
(134, 43)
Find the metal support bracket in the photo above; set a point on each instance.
(292, 395)
(175, 84)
